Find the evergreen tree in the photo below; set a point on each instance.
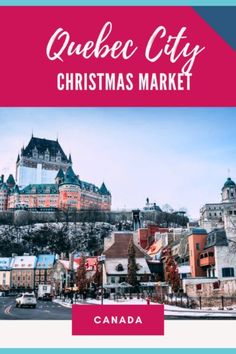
(132, 266)
(82, 281)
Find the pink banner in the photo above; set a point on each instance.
(113, 56)
(118, 320)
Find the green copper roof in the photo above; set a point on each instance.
(70, 176)
(16, 189)
(229, 183)
(104, 190)
(11, 180)
(60, 174)
(40, 189)
(4, 187)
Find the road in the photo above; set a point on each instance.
(45, 310)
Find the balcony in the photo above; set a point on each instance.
(207, 259)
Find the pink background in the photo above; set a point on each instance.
(28, 78)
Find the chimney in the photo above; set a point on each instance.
(2, 178)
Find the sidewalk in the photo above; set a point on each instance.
(169, 309)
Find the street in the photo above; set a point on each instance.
(45, 310)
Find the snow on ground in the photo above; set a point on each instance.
(169, 309)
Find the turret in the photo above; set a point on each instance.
(10, 181)
(106, 197)
(229, 191)
(59, 177)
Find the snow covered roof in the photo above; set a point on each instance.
(24, 262)
(118, 266)
(45, 261)
(90, 262)
(66, 264)
(5, 263)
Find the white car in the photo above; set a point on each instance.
(26, 299)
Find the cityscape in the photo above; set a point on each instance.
(62, 242)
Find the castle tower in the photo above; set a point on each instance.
(69, 190)
(229, 191)
(60, 177)
(106, 197)
(40, 162)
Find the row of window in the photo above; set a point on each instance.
(215, 214)
(20, 278)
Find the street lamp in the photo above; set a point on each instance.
(101, 260)
(71, 265)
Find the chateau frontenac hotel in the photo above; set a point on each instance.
(45, 180)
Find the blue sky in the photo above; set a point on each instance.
(178, 156)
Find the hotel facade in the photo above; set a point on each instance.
(45, 180)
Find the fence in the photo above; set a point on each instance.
(198, 302)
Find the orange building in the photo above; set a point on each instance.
(196, 240)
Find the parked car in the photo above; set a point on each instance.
(26, 299)
(47, 297)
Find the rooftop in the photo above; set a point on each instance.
(44, 145)
(216, 238)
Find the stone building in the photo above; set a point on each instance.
(23, 268)
(44, 269)
(212, 214)
(39, 162)
(47, 181)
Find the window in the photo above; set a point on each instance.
(216, 285)
(199, 287)
(198, 262)
(119, 268)
(227, 272)
(197, 246)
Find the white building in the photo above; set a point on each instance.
(116, 263)
(212, 214)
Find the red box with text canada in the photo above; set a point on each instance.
(118, 320)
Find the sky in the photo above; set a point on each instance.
(176, 156)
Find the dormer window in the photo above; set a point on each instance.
(58, 157)
(47, 155)
(119, 267)
(35, 152)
